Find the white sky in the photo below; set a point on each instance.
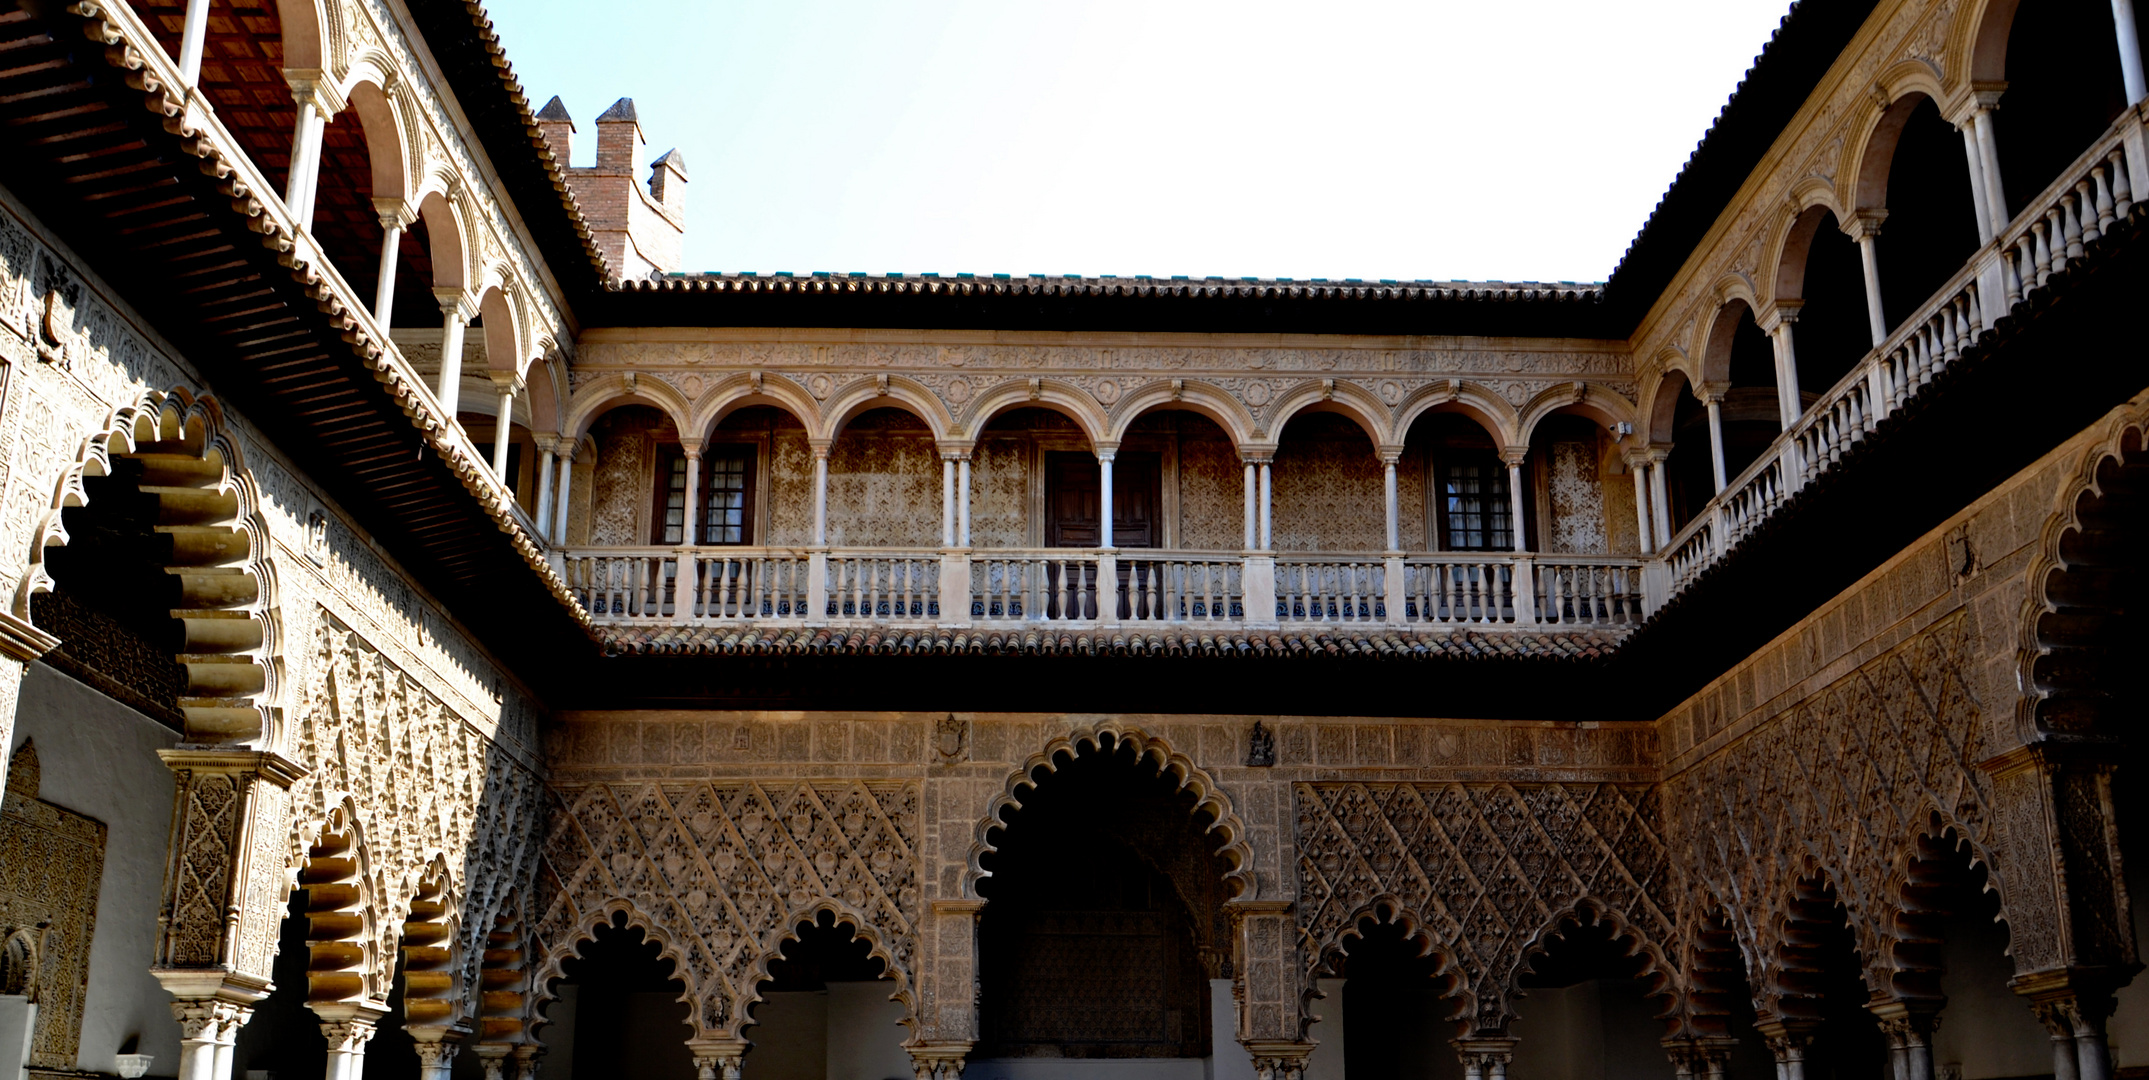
(1439, 139)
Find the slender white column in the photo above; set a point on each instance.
(820, 496)
(690, 516)
(384, 292)
(191, 41)
(1253, 499)
(300, 185)
(1104, 499)
(227, 1043)
(201, 1025)
(1514, 498)
(1267, 501)
(544, 482)
(559, 508)
(962, 501)
(1716, 437)
(1640, 469)
(503, 430)
(1790, 404)
(947, 499)
(1988, 155)
(1976, 162)
(1870, 258)
(2130, 51)
(450, 387)
(1394, 533)
(1659, 501)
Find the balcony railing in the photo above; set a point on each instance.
(2076, 210)
(739, 585)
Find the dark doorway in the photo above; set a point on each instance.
(1072, 496)
(1106, 917)
(620, 1001)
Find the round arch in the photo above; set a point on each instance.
(747, 993)
(1206, 399)
(1333, 396)
(1664, 403)
(885, 392)
(1657, 970)
(307, 35)
(1794, 243)
(619, 913)
(1982, 35)
(1723, 328)
(1062, 397)
(503, 330)
(444, 233)
(1607, 408)
(1150, 751)
(1491, 411)
(612, 391)
(183, 446)
(1876, 152)
(741, 390)
(385, 134)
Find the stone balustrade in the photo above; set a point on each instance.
(1095, 587)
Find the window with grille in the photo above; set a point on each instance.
(726, 502)
(1474, 508)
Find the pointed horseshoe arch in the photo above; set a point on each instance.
(219, 557)
(747, 993)
(1150, 751)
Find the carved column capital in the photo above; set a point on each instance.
(940, 1059)
(717, 1059)
(1278, 1059)
(1485, 1057)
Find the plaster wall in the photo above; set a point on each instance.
(99, 759)
(1602, 1029)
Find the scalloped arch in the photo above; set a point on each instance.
(1167, 761)
(615, 912)
(748, 992)
(191, 437)
(1658, 971)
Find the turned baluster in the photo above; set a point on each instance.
(2039, 231)
(2070, 213)
(2011, 274)
(2122, 188)
(2094, 193)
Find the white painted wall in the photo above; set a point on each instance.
(1986, 1028)
(865, 1032)
(1598, 1030)
(1227, 1059)
(100, 760)
(2129, 1026)
(1086, 1069)
(790, 1037)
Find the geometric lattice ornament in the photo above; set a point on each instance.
(719, 873)
(1485, 869)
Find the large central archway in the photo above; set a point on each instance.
(1106, 873)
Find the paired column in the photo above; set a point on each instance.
(1700, 1059)
(314, 110)
(547, 445)
(1253, 513)
(1485, 1058)
(396, 216)
(455, 316)
(2080, 1047)
(1659, 501)
(1909, 1027)
(718, 1059)
(962, 497)
(1788, 1043)
(436, 1059)
(1864, 227)
(1268, 500)
(509, 385)
(1790, 403)
(347, 1041)
(561, 501)
(947, 498)
(208, 1032)
(1638, 464)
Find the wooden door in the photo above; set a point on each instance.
(1071, 498)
